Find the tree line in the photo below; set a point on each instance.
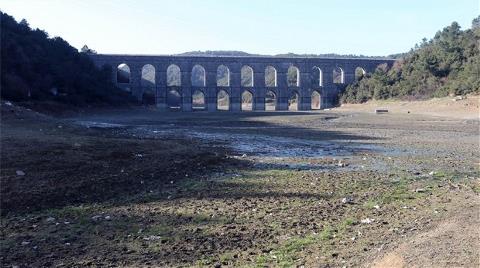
(447, 64)
(37, 68)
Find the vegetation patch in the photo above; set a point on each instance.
(449, 63)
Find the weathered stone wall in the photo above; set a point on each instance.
(329, 91)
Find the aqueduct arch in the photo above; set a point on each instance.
(272, 81)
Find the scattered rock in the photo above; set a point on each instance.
(420, 190)
(50, 219)
(24, 243)
(367, 221)
(347, 200)
(244, 155)
(108, 218)
(376, 207)
(342, 164)
(152, 237)
(457, 98)
(20, 173)
(96, 217)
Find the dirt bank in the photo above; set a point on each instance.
(459, 108)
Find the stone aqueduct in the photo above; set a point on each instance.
(314, 79)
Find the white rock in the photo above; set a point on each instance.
(152, 237)
(108, 218)
(376, 207)
(96, 217)
(20, 173)
(367, 221)
(50, 219)
(24, 243)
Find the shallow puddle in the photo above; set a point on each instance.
(266, 151)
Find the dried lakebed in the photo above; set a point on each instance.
(254, 189)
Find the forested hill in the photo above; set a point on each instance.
(36, 68)
(216, 53)
(235, 53)
(448, 64)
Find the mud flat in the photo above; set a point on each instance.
(330, 189)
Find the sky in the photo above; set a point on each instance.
(367, 27)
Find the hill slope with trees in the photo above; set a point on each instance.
(448, 64)
(37, 68)
(233, 53)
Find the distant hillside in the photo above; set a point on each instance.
(329, 55)
(288, 55)
(38, 68)
(232, 53)
(448, 64)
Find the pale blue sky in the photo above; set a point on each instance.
(375, 27)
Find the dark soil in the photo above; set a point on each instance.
(65, 164)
